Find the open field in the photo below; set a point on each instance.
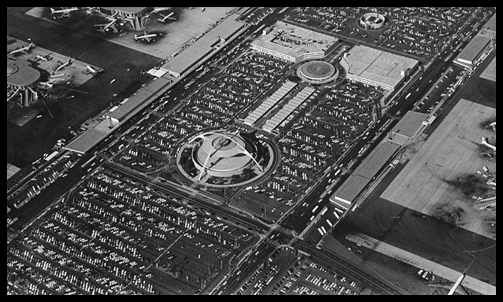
(435, 181)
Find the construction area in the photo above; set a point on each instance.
(449, 177)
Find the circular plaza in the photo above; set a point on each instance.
(317, 72)
(223, 158)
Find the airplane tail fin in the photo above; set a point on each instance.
(52, 10)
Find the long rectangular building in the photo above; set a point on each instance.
(266, 106)
(472, 51)
(284, 112)
(344, 197)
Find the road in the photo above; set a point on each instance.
(293, 222)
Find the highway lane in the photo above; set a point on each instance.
(248, 267)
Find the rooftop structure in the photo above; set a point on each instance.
(135, 15)
(371, 20)
(20, 73)
(293, 43)
(344, 197)
(224, 158)
(376, 67)
(21, 80)
(317, 72)
(263, 108)
(472, 51)
(407, 127)
(288, 108)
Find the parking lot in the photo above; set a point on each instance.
(417, 32)
(288, 274)
(116, 236)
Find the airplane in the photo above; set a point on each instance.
(148, 37)
(104, 27)
(485, 143)
(169, 16)
(492, 125)
(92, 70)
(24, 49)
(64, 12)
(47, 57)
(68, 63)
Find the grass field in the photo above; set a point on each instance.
(434, 181)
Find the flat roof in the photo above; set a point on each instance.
(351, 187)
(293, 40)
(365, 172)
(20, 73)
(410, 123)
(377, 65)
(473, 49)
(203, 45)
(376, 159)
(89, 139)
(134, 101)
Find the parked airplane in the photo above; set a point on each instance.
(492, 125)
(68, 63)
(24, 49)
(93, 71)
(485, 143)
(47, 57)
(148, 37)
(105, 27)
(65, 12)
(168, 16)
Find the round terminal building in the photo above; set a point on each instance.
(223, 158)
(317, 72)
(372, 21)
(21, 80)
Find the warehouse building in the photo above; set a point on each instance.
(376, 67)
(472, 51)
(348, 192)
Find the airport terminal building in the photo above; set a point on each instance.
(21, 80)
(293, 43)
(134, 15)
(376, 67)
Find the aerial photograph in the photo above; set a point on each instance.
(251, 151)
